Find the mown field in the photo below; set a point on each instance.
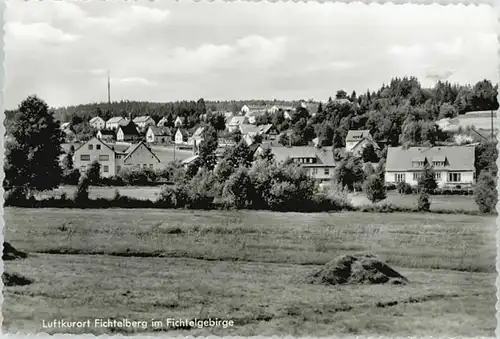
(247, 266)
(438, 202)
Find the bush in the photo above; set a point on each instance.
(404, 188)
(390, 187)
(423, 204)
(486, 195)
(427, 183)
(173, 197)
(142, 177)
(374, 188)
(16, 196)
(82, 191)
(383, 208)
(71, 177)
(237, 190)
(94, 173)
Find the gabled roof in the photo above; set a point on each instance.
(249, 129)
(281, 153)
(483, 114)
(129, 129)
(65, 125)
(198, 132)
(458, 158)
(143, 118)
(133, 148)
(238, 120)
(189, 160)
(114, 120)
(183, 132)
(106, 132)
(95, 119)
(357, 135)
(160, 131)
(94, 139)
(265, 128)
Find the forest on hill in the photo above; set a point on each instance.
(400, 112)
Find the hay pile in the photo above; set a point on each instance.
(13, 279)
(10, 253)
(356, 269)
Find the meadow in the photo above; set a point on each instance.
(438, 202)
(247, 266)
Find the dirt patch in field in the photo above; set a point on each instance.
(15, 279)
(356, 269)
(10, 253)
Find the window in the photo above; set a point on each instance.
(418, 163)
(437, 176)
(454, 177)
(416, 176)
(118, 168)
(105, 169)
(84, 157)
(438, 163)
(144, 165)
(399, 177)
(314, 171)
(151, 166)
(327, 171)
(91, 147)
(103, 157)
(97, 147)
(83, 168)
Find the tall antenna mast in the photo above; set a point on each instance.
(109, 92)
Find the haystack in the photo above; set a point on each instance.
(10, 253)
(356, 269)
(15, 279)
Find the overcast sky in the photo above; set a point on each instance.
(164, 51)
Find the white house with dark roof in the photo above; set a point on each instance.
(319, 163)
(452, 165)
(106, 135)
(128, 132)
(97, 122)
(144, 121)
(181, 137)
(115, 122)
(357, 140)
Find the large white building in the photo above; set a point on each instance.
(453, 166)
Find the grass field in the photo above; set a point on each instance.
(245, 266)
(138, 192)
(438, 202)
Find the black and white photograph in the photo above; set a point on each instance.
(201, 168)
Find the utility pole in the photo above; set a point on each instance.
(109, 94)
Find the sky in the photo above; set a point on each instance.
(167, 51)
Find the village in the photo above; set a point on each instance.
(123, 143)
